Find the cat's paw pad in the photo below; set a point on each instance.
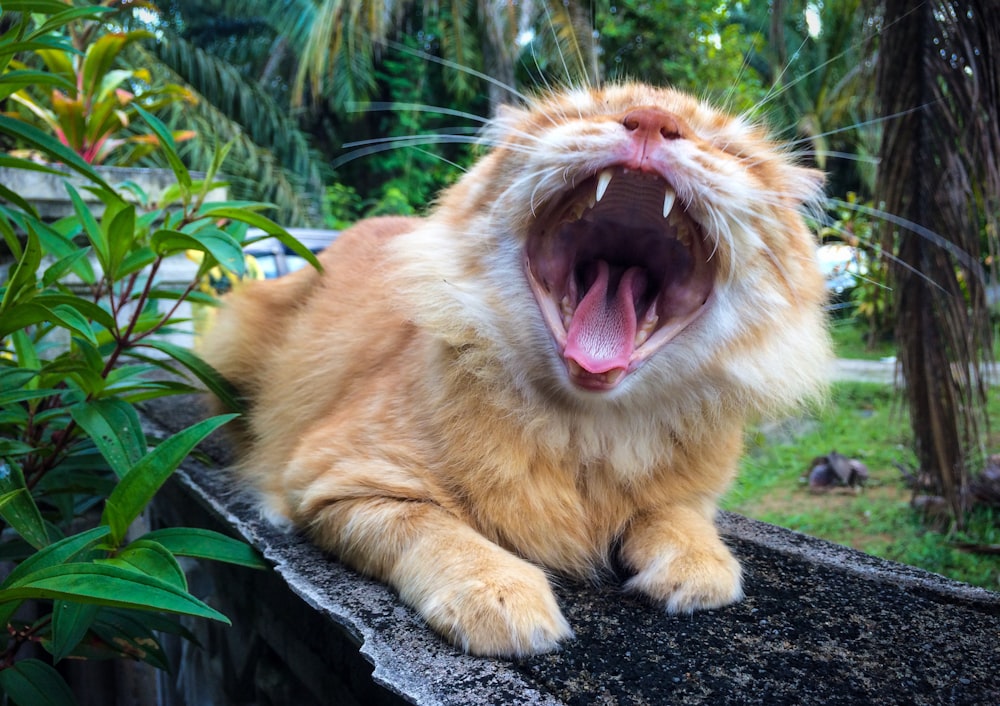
(697, 580)
(499, 615)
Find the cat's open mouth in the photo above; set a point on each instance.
(619, 269)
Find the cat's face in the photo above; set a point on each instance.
(642, 218)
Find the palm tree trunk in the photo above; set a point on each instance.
(934, 78)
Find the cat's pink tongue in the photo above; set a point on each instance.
(601, 337)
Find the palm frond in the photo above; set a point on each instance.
(273, 154)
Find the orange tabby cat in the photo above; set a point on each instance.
(558, 361)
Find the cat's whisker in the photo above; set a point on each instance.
(524, 98)
(385, 144)
(961, 256)
(394, 106)
(874, 250)
(865, 123)
(848, 156)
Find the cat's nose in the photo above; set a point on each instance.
(651, 121)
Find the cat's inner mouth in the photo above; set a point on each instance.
(619, 269)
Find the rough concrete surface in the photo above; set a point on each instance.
(820, 624)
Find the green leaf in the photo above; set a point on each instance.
(114, 427)
(61, 245)
(66, 16)
(140, 483)
(13, 448)
(56, 553)
(86, 308)
(131, 634)
(206, 544)
(70, 622)
(257, 220)
(23, 315)
(90, 226)
(214, 241)
(50, 146)
(60, 267)
(14, 81)
(31, 682)
(169, 149)
(136, 260)
(216, 384)
(69, 317)
(45, 7)
(102, 584)
(21, 284)
(16, 199)
(151, 558)
(121, 235)
(19, 510)
(25, 395)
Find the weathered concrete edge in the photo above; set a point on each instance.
(416, 665)
(413, 663)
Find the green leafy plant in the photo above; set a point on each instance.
(87, 103)
(80, 312)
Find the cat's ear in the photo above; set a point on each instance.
(803, 185)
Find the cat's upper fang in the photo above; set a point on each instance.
(669, 197)
(603, 179)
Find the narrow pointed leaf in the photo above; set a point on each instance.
(31, 681)
(70, 622)
(107, 585)
(115, 428)
(152, 559)
(169, 148)
(257, 220)
(216, 384)
(68, 549)
(50, 146)
(206, 544)
(138, 486)
(20, 510)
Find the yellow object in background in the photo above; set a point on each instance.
(216, 282)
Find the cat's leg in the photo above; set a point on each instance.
(380, 520)
(680, 560)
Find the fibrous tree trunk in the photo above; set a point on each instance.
(938, 177)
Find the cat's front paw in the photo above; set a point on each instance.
(508, 611)
(697, 579)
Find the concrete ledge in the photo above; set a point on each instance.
(821, 624)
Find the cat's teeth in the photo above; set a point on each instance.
(603, 179)
(669, 196)
(649, 322)
(613, 376)
(684, 234)
(566, 309)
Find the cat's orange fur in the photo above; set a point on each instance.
(415, 408)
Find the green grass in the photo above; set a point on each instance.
(867, 422)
